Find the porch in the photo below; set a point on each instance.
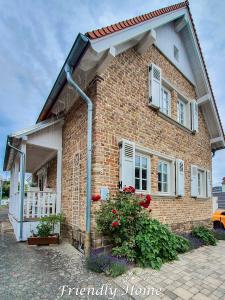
(41, 197)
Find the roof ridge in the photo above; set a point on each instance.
(98, 33)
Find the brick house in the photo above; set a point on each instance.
(155, 125)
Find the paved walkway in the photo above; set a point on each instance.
(51, 272)
(47, 272)
(197, 275)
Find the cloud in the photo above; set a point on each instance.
(36, 37)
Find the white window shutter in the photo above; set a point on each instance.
(194, 116)
(127, 164)
(208, 184)
(194, 181)
(154, 86)
(180, 178)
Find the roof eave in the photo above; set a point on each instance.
(77, 51)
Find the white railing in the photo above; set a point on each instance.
(39, 204)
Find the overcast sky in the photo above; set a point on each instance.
(36, 37)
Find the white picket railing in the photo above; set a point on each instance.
(39, 204)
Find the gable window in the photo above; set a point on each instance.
(165, 106)
(163, 177)
(141, 172)
(181, 112)
(176, 53)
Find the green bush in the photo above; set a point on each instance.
(219, 235)
(182, 245)
(205, 235)
(44, 229)
(135, 236)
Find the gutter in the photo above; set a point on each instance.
(21, 194)
(87, 100)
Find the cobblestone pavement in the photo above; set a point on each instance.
(197, 275)
(41, 272)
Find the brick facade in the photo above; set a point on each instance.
(121, 111)
(51, 173)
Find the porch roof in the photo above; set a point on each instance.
(16, 139)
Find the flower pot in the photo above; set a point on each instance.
(43, 240)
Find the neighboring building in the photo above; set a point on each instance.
(155, 124)
(219, 193)
(217, 189)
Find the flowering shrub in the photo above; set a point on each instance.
(102, 263)
(134, 235)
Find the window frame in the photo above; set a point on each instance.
(164, 89)
(169, 175)
(185, 105)
(148, 172)
(203, 185)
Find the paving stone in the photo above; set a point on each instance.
(200, 296)
(182, 293)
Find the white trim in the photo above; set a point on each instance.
(141, 154)
(59, 181)
(37, 127)
(164, 89)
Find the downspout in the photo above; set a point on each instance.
(22, 179)
(89, 103)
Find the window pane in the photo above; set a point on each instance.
(159, 186)
(165, 168)
(159, 177)
(144, 174)
(160, 167)
(137, 184)
(144, 185)
(165, 187)
(137, 160)
(137, 172)
(164, 178)
(144, 162)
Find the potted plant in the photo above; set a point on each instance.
(46, 231)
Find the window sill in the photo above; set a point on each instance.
(163, 195)
(172, 121)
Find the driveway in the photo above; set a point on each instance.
(47, 272)
(197, 275)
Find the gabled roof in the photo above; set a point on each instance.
(95, 50)
(98, 33)
(105, 31)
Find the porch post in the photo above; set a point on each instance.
(21, 190)
(59, 181)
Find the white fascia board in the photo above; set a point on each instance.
(119, 37)
(35, 128)
(204, 99)
(197, 50)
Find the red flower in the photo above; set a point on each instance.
(95, 198)
(148, 199)
(129, 189)
(114, 211)
(115, 224)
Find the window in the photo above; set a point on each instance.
(176, 53)
(165, 101)
(164, 177)
(201, 185)
(181, 112)
(141, 172)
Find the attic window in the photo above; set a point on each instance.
(176, 53)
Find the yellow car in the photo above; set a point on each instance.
(218, 219)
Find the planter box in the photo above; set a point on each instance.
(43, 240)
